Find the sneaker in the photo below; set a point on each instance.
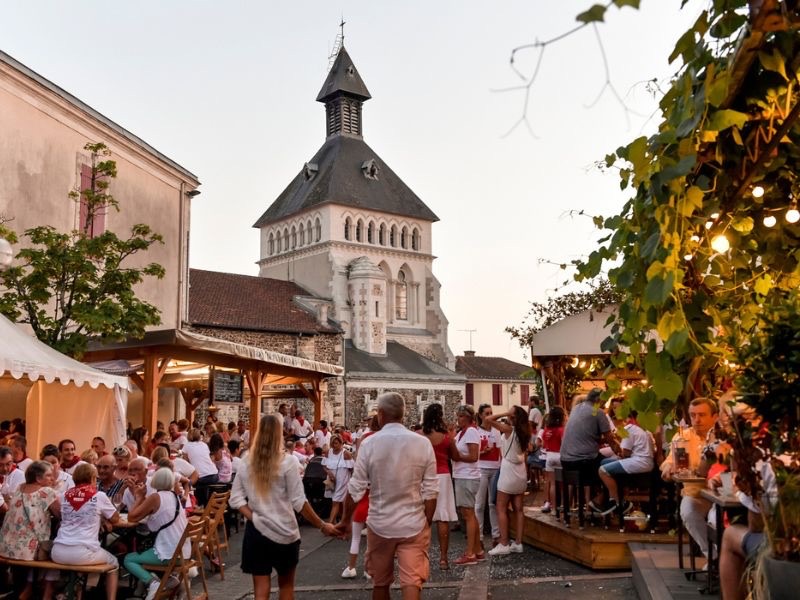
(367, 576)
(627, 507)
(193, 572)
(500, 550)
(610, 508)
(465, 561)
(349, 573)
(596, 508)
(546, 507)
(516, 548)
(152, 588)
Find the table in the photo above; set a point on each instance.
(680, 481)
(722, 503)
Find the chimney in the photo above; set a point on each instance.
(469, 352)
(322, 314)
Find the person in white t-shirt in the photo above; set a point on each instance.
(137, 475)
(535, 417)
(235, 449)
(82, 510)
(197, 452)
(19, 446)
(637, 457)
(464, 452)
(301, 429)
(69, 457)
(322, 436)
(11, 477)
(489, 464)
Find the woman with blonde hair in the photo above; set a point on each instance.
(268, 491)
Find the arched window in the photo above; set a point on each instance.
(310, 232)
(382, 235)
(294, 237)
(393, 236)
(371, 233)
(404, 238)
(317, 230)
(271, 244)
(302, 233)
(278, 244)
(360, 231)
(415, 241)
(401, 297)
(286, 239)
(348, 225)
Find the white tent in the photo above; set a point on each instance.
(59, 396)
(577, 335)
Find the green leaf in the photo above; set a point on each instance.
(763, 285)
(659, 289)
(595, 14)
(648, 421)
(724, 119)
(693, 200)
(677, 343)
(742, 224)
(668, 385)
(621, 3)
(773, 62)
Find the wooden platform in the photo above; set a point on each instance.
(594, 546)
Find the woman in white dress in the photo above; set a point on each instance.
(513, 480)
(339, 466)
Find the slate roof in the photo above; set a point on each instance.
(233, 301)
(343, 77)
(399, 361)
(489, 367)
(340, 180)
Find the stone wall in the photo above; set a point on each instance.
(358, 407)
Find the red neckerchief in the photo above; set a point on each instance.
(80, 495)
(75, 460)
(324, 430)
(632, 421)
(300, 420)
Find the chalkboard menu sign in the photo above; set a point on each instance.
(226, 387)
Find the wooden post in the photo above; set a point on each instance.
(313, 393)
(255, 381)
(154, 370)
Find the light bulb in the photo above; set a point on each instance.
(715, 215)
(695, 238)
(720, 244)
(688, 257)
(709, 224)
(769, 221)
(792, 215)
(758, 191)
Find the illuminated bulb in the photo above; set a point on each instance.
(695, 238)
(769, 221)
(709, 224)
(792, 215)
(715, 215)
(720, 244)
(758, 191)
(575, 361)
(688, 257)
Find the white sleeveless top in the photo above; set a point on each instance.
(168, 538)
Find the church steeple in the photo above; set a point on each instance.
(343, 93)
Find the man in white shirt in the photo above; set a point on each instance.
(535, 414)
(322, 436)
(19, 447)
(11, 477)
(177, 436)
(403, 488)
(301, 429)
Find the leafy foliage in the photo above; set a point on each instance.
(71, 286)
(727, 126)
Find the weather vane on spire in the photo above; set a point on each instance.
(341, 28)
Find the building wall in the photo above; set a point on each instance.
(482, 390)
(41, 151)
(362, 399)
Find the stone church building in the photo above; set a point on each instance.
(353, 235)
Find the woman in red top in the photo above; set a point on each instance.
(359, 515)
(551, 443)
(434, 428)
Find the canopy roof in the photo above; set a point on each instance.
(22, 355)
(577, 335)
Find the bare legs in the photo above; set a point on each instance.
(519, 516)
(443, 531)
(732, 563)
(502, 516)
(335, 508)
(473, 539)
(261, 586)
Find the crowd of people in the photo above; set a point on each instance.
(453, 470)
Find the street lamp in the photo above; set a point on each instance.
(6, 254)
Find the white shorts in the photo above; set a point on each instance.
(552, 461)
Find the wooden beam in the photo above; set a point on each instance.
(150, 392)
(255, 381)
(137, 379)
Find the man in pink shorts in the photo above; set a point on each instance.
(403, 488)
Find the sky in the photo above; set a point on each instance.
(227, 90)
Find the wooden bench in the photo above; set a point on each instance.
(78, 573)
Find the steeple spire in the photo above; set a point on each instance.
(343, 93)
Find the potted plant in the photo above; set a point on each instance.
(769, 381)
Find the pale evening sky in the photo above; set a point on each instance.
(227, 90)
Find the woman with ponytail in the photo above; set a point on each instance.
(268, 491)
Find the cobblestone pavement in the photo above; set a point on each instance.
(517, 576)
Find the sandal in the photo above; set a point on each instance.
(444, 565)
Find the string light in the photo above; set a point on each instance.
(709, 224)
(758, 191)
(715, 215)
(688, 257)
(695, 238)
(792, 215)
(769, 221)
(720, 243)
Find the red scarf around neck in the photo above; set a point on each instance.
(80, 495)
(75, 460)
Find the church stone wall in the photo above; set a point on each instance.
(362, 401)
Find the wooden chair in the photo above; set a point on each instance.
(213, 544)
(179, 567)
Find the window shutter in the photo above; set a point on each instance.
(470, 395)
(525, 394)
(497, 394)
(86, 183)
